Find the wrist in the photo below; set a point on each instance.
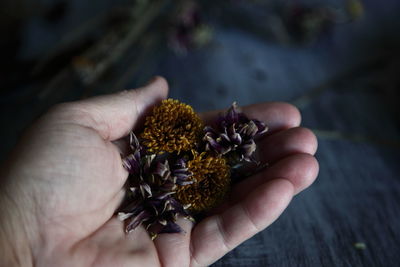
(15, 245)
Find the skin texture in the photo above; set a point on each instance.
(64, 181)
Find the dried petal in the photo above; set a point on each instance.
(132, 163)
(137, 220)
(234, 135)
(171, 228)
(122, 216)
(153, 180)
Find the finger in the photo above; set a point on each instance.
(113, 231)
(113, 247)
(299, 169)
(113, 116)
(285, 143)
(114, 203)
(173, 249)
(277, 115)
(218, 234)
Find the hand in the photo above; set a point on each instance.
(65, 180)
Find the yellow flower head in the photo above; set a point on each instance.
(172, 127)
(211, 176)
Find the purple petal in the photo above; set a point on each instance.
(162, 222)
(167, 186)
(137, 220)
(231, 129)
(148, 159)
(183, 178)
(145, 188)
(134, 190)
(236, 139)
(181, 172)
(232, 114)
(210, 131)
(182, 175)
(253, 128)
(179, 164)
(133, 142)
(250, 129)
(163, 195)
(184, 182)
(224, 138)
(214, 145)
(133, 207)
(162, 170)
(122, 216)
(248, 149)
(132, 163)
(177, 205)
(262, 128)
(171, 228)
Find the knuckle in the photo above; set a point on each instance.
(69, 112)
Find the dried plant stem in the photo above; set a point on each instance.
(338, 135)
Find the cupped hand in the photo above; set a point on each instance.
(65, 180)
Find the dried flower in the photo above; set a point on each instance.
(306, 24)
(189, 30)
(172, 173)
(152, 183)
(173, 127)
(234, 135)
(210, 182)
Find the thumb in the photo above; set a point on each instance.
(114, 115)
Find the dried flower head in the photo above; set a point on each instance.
(188, 29)
(152, 182)
(173, 173)
(211, 179)
(172, 127)
(234, 135)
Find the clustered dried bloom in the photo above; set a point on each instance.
(172, 127)
(153, 183)
(234, 135)
(178, 168)
(210, 182)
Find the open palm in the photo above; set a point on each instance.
(69, 164)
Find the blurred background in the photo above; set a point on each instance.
(337, 61)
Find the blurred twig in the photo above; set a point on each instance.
(76, 36)
(88, 67)
(112, 48)
(373, 63)
(358, 138)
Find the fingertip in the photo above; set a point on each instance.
(155, 90)
(309, 168)
(277, 115)
(287, 142)
(308, 139)
(173, 244)
(158, 84)
(293, 114)
(314, 169)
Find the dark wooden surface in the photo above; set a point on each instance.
(342, 86)
(347, 88)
